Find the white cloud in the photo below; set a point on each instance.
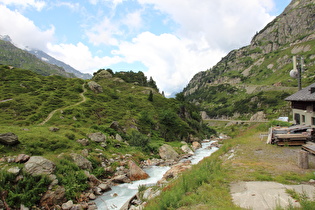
(225, 24)
(169, 59)
(23, 31)
(133, 20)
(103, 33)
(80, 57)
(37, 4)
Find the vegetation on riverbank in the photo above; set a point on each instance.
(243, 158)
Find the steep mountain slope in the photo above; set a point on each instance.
(47, 58)
(256, 77)
(18, 58)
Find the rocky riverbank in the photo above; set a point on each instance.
(125, 172)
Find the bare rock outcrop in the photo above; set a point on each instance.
(38, 165)
(96, 88)
(81, 161)
(9, 139)
(97, 137)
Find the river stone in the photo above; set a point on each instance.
(167, 152)
(185, 148)
(67, 205)
(52, 198)
(196, 145)
(135, 172)
(104, 187)
(121, 179)
(81, 161)
(38, 165)
(9, 139)
(97, 137)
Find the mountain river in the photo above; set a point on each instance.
(120, 194)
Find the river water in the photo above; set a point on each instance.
(120, 194)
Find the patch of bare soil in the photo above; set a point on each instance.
(256, 160)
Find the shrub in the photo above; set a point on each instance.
(27, 191)
(71, 177)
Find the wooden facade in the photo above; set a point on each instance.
(303, 106)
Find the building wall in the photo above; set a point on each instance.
(306, 117)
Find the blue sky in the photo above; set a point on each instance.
(170, 40)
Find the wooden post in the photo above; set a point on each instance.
(303, 159)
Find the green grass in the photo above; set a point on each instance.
(206, 185)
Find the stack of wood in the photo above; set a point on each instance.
(309, 147)
(292, 136)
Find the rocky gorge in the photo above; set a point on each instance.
(127, 171)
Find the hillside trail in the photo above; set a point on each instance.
(51, 114)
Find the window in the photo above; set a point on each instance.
(313, 120)
(297, 118)
(303, 118)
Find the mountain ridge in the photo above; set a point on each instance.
(266, 63)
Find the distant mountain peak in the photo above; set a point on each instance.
(6, 38)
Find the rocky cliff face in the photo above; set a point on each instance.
(266, 61)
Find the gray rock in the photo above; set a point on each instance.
(96, 88)
(84, 142)
(54, 129)
(92, 196)
(81, 161)
(118, 137)
(14, 170)
(185, 148)
(97, 137)
(67, 205)
(38, 165)
(51, 198)
(9, 139)
(167, 152)
(22, 207)
(104, 187)
(103, 74)
(121, 179)
(22, 158)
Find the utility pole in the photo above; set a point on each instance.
(297, 70)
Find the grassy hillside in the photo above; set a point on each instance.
(146, 120)
(13, 56)
(256, 77)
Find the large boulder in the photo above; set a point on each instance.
(259, 116)
(176, 170)
(81, 161)
(9, 139)
(185, 148)
(121, 179)
(135, 172)
(196, 145)
(38, 165)
(97, 137)
(102, 74)
(167, 152)
(96, 88)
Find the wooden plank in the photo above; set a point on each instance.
(310, 147)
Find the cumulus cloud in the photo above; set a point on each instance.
(169, 59)
(23, 31)
(225, 24)
(37, 4)
(80, 57)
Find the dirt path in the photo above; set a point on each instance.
(76, 104)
